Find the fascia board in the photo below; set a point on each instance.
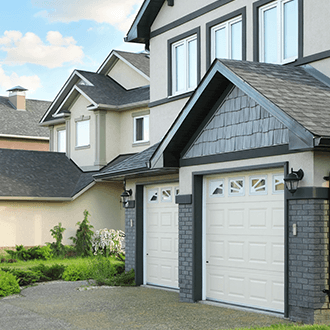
(60, 93)
(53, 122)
(111, 58)
(124, 107)
(24, 137)
(45, 199)
(219, 67)
(82, 191)
(85, 95)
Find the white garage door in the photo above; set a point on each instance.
(161, 235)
(244, 239)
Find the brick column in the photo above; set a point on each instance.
(308, 260)
(185, 252)
(130, 239)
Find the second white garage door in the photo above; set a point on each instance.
(244, 239)
(161, 235)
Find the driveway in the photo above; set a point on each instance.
(72, 305)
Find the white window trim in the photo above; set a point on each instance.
(79, 120)
(60, 129)
(173, 69)
(227, 25)
(146, 129)
(279, 4)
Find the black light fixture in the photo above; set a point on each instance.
(125, 197)
(292, 180)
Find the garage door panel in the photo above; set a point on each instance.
(161, 236)
(244, 243)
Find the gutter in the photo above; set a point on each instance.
(24, 137)
(139, 104)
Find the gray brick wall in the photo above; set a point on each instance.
(308, 259)
(185, 252)
(130, 239)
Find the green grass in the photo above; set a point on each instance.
(290, 327)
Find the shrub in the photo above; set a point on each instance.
(57, 233)
(24, 277)
(36, 252)
(108, 241)
(76, 273)
(125, 279)
(49, 273)
(8, 284)
(102, 271)
(83, 239)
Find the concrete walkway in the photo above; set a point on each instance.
(70, 305)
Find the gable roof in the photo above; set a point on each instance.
(296, 96)
(40, 174)
(23, 123)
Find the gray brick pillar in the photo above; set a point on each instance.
(185, 252)
(130, 239)
(308, 265)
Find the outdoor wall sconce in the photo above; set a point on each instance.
(125, 197)
(292, 180)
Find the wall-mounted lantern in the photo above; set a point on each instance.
(125, 197)
(292, 180)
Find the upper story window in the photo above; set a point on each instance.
(61, 140)
(226, 39)
(184, 62)
(141, 128)
(83, 132)
(278, 31)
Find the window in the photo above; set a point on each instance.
(82, 133)
(184, 65)
(166, 195)
(153, 196)
(226, 39)
(258, 185)
(278, 31)
(216, 188)
(278, 183)
(141, 128)
(236, 187)
(61, 140)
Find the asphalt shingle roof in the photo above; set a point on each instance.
(19, 122)
(40, 174)
(139, 60)
(107, 91)
(293, 89)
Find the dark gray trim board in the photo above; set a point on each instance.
(312, 58)
(189, 17)
(183, 199)
(169, 99)
(256, 6)
(238, 155)
(171, 41)
(242, 12)
(309, 193)
(139, 235)
(286, 246)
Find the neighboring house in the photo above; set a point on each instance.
(209, 213)
(96, 120)
(19, 119)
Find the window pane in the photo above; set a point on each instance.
(236, 41)
(221, 43)
(192, 63)
(82, 133)
(146, 128)
(139, 129)
(290, 29)
(179, 68)
(61, 141)
(270, 35)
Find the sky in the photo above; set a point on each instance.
(43, 41)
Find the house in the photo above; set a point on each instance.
(19, 127)
(97, 120)
(239, 99)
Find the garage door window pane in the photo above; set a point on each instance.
(278, 183)
(216, 188)
(153, 196)
(167, 195)
(236, 187)
(258, 185)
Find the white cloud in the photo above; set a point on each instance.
(29, 48)
(119, 13)
(32, 83)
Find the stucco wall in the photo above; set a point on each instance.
(29, 222)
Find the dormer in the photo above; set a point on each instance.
(17, 97)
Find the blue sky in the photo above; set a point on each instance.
(43, 41)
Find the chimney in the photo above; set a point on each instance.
(17, 97)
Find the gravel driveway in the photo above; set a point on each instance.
(72, 305)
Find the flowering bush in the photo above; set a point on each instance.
(108, 241)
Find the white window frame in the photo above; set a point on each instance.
(260, 192)
(79, 121)
(239, 193)
(60, 131)
(279, 4)
(185, 43)
(145, 128)
(227, 25)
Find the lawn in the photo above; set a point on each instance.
(291, 327)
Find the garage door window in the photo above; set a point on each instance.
(166, 195)
(153, 196)
(217, 188)
(258, 185)
(236, 187)
(278, 184)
